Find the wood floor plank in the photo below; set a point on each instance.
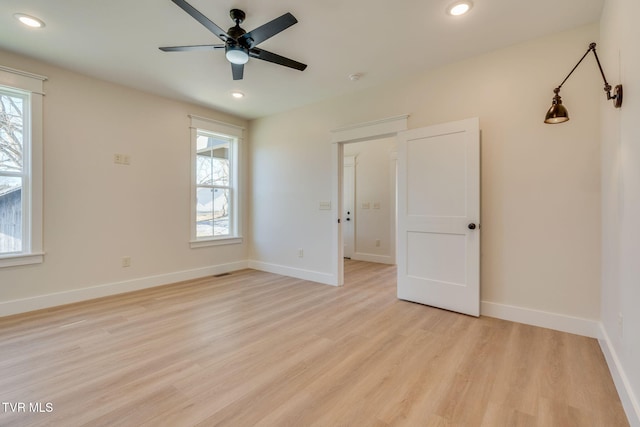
(259, 349)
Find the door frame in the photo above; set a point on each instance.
(378, 129)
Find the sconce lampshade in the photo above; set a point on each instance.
(557, 113)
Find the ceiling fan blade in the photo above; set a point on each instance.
(237, 70)
(270, 29)
(195, 14)
(189, 48)
(276, 59)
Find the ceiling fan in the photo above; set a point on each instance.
(240, 45)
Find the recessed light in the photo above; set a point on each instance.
(237, 94)
(459, 8)
(29, 21)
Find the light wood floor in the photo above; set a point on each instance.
(258, 349)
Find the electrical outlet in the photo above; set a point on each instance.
(300, 253)
(126, 261)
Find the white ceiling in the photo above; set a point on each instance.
(118, 40)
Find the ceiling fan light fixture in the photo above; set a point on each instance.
(29, 21)
(237, 55)
(459, 8)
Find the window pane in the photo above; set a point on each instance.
(11, 132)
(212, 159)
(204, 168)
(221, 211)
(204, 212)
(10, 214)
(202, 142)
(221, 166)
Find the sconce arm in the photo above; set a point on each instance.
(592, 46)
(616, 97)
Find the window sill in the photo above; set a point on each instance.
(215, 242)
(21, 259)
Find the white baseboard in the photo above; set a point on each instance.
(381, 259)
(559, 322)
(298, 273)
(39, 302)
(625, 391)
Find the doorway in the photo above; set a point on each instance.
(369, 200)
(438, 209)
(369, 131)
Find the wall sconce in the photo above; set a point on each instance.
(559, 114)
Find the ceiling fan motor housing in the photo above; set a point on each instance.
(237, 15)
(236, 32)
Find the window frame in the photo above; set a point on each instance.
(235, 135)
(31, 86)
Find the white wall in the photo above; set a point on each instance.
(96, 212)
(374, 186)
(540, 183)
(620, 56)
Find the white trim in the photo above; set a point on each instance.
(337, 195)
(215, 242)
(21, 259)
(376, 129)
(22, 73)
(349, 161)
(369, 130)
(381, 259)
(36, 175)
(544, 319)
(628, 398)
(211, 125)
(22, 79)
(299, 273)
(39, 302)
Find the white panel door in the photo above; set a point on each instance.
(439, 216)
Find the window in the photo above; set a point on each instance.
(213, 185)
(215, 205)
(20, 167)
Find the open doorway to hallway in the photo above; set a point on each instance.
(369, 201)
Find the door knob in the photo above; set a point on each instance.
(471, 226)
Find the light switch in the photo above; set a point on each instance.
(325, 206)
(122, 159)
(365, 205)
